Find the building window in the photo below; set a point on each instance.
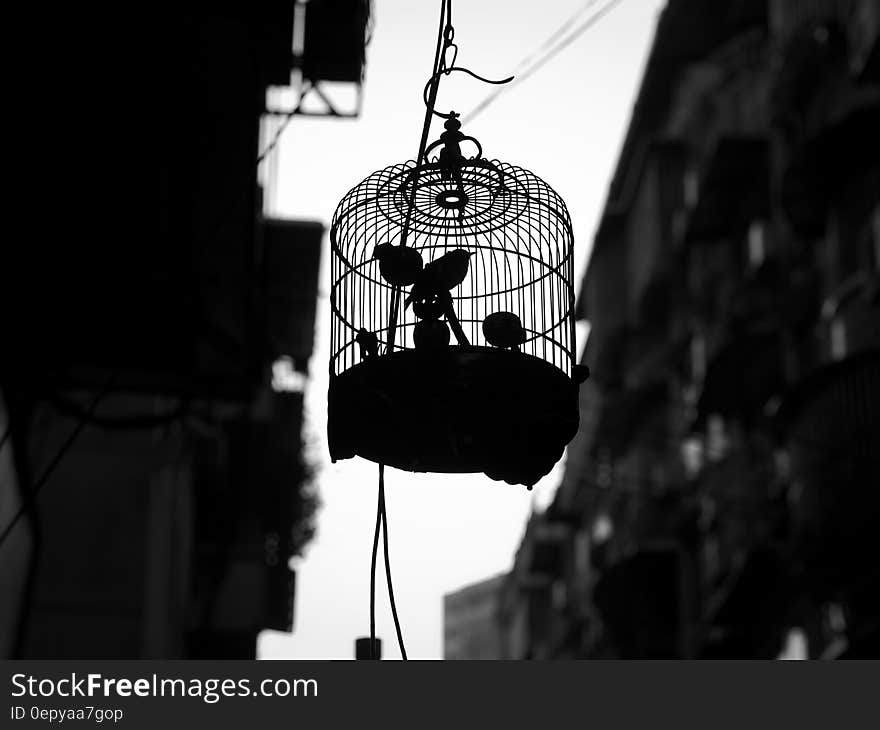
(757, 243)
(285, 378)
(782, 465)
(838, 339)
(716, 438)
(603, 529)
(796, 647)
(692, 456)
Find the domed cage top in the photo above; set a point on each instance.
(496, 393)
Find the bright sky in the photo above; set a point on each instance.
(566, 124)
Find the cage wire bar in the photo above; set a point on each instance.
(517, 226)
(487, 249)
(519, 231)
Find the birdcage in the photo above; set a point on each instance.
(452, 318)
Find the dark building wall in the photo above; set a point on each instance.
(158, 301)
(113, 560)
(734, 269)
(16, 558)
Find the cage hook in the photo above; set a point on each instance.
(445, 72)
(451, 158)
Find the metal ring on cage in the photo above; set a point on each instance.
(493, 198)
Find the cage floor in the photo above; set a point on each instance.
(458, 409)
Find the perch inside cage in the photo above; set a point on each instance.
(453, 327)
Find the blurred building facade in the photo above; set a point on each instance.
(168, 337)
(721, 491)
(470, 621)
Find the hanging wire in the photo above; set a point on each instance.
(445, 35)
(553, 37)
(70, 407)
(445, 38)
(382, 523)
(373, 571)
(88, 416)
(548, 56)
(388, 561)
(445, 71)
(56, 460)
(307, 86)
(277, 136)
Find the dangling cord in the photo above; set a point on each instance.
(388, 562)
(382, 523)
(444, 38)
(373, 571)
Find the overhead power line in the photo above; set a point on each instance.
(548, 56)
(556, 35)
(276, 138)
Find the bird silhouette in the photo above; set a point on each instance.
(369, 343)
(399, 265)
(430, 334)
(431, 307)
(440, 276)
(504, 329)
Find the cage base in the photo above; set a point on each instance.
(458, 409)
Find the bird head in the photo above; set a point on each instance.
(460, 254)
(382, 250)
